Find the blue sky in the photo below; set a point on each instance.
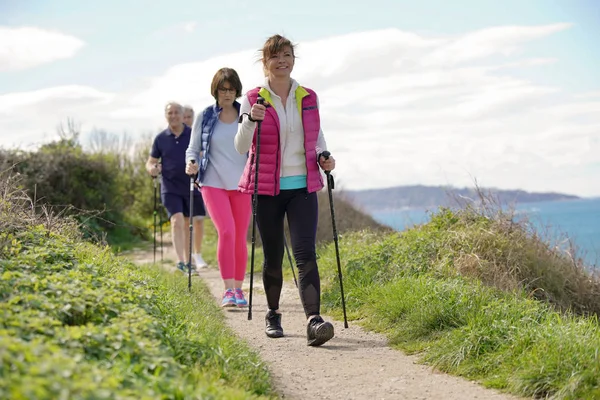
(129, 47)
(125, 37)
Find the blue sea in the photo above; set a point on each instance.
(579, 220)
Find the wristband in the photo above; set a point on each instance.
(249, 118)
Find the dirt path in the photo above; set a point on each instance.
(353, 365)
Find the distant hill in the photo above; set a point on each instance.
(435, 196)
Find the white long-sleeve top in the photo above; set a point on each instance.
(291, 132)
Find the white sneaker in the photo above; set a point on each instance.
(199, 261)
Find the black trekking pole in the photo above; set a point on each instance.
(191, 218)
(259, 100)
(155, 215)
(330, 186)
(160, 225)
(290, 259)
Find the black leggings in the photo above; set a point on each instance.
(302, 214)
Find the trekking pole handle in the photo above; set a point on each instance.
(260, 101)
(155, 176)
(192, 177)
(326, 154)
(330, 181)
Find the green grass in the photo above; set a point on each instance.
(79, 322)
(121, 239)
(416, 288)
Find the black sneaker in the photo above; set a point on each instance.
(318, 331)
(273, 321)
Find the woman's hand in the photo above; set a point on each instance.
(327, 164)
(191, 169)
(257, 112)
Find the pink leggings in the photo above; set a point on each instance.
(230, 211)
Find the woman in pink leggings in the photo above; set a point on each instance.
(219, 170)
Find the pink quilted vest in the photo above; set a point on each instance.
(270, 147)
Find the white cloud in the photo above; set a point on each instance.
(397, 108)
(586, 95)
(37, 114)
(28, 47)
(189, 27)
(11, 103)
(503, 40)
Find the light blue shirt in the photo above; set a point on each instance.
(225, 164)
(292, 182)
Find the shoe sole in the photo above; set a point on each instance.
(322, 335)
(228, 305)
(275, 335)
(242, 305)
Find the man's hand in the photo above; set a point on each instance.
(155, 170)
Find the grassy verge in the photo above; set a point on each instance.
(76, 321)
(476, 297)
(79, 322)
(121, 239)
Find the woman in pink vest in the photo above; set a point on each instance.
(289, 178)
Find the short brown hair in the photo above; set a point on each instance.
(226, 75)
(274, 45)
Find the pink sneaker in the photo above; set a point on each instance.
(228, 299)
(240, 299)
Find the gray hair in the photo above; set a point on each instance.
(188, 108)
(175, 104)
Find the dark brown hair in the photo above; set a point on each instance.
(274, 45)
(225, 75)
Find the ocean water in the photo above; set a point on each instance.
(579, 220)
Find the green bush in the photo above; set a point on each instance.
(107, 190)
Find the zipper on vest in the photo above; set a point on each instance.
(305, 140)
(308, 170)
